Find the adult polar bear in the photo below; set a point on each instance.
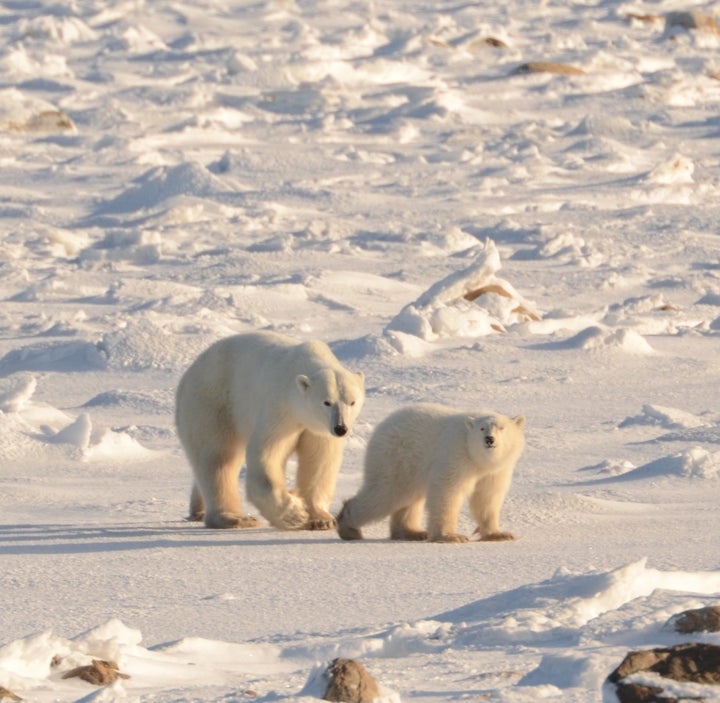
(261, 397)
(431, 453)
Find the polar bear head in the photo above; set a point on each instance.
(494, 440)
(331, 400)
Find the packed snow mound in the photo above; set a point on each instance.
(145, 344)
(473, 302)
(565, 603)
(22, 113)
(154, 402)
(16, 391)
(164, 183)
(661, 416)
(599, 338)
(54, 356)
(694, 463)
(92, 443)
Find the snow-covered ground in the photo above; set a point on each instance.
(385, 176)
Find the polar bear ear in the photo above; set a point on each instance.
(519, 420)
(469, 422)
(303, 382)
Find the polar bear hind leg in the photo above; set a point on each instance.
(197, 505)
(215, 496)
(405, 523)
(369, 505)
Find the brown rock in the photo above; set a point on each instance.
(350, 682)
(694, 662)
(99, 673)
(699, 620)
(4, 693)
(644, 17)
(45, 121)
(692, 19)
(564, 69)
(635, 693)
(492, 42)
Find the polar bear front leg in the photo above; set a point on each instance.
(444, 500)
(266, 460)
(486, 501)
(319, 460)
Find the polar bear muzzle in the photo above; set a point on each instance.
(339, 426)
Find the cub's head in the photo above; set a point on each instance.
(493, 438)
(331, 401)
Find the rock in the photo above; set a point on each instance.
(350, 682)
(550, 67)
(492, 42)
(694, 662)
(692, 19)
(699, 620)
(99, 673)
(636, 693)
(4, 693)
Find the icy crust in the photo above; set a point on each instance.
(593, 617)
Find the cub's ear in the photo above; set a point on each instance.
(519, 420)
(360, 375)
(303, 382)
(469, 422)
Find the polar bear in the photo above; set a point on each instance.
(430, 453)
(259, 398)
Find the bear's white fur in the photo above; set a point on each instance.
(432, 454)
(259, 398)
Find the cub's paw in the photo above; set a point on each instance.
(452, 539)
(344, 530)
(496, 536)
(224, 521)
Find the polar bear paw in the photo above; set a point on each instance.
(224, 520)
(408, 534)
(344, 530)
(452, 538)
(496, 536)
(293, 514)
(321, 520)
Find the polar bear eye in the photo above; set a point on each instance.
(327, 403)
(352, 402)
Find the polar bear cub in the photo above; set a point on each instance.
(259, 398)
(431, 456)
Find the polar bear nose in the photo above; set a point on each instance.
(490, 441)
(340, 430)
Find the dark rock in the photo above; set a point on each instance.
(350, 682)
(99, 673)
(695, 661)
(550, 67)
(692, 19)
(636, 693)
(699, 620)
